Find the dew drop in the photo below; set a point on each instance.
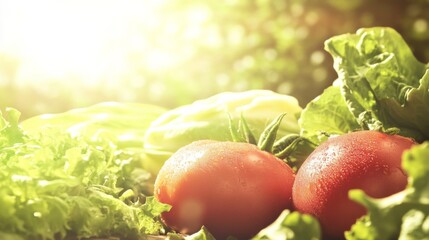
(313, 188)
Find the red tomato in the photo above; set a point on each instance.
(231, 188)
(366, 160)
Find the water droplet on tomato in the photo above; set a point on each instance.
(313, 188)
(385, 169)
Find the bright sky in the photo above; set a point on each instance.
(83, 37)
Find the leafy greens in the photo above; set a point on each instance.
(125, 124)
(53, 185)
(290, 226)
(122, 124)
(380, 85)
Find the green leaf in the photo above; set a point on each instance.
(110, 123)
(329, 114)
(269, 135)
(244, 128)
(13, 116)
(415, 225)
(294, 149)
(412, 114)
(285, 145)
(124, 124)
(203, 234)
(378, 73)
(234, 130)
(10, 131)
(291, 225)
(380, 86)
(54, 186)
(152, 209)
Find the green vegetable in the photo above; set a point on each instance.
(404, 215)
(209, 119)
(268, 136)
(328, 113)
(291, 225)
(54, 186)
(291, 148)
(380, 85)
(203, 234)
(122, 124)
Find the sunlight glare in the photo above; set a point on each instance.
(82, 38)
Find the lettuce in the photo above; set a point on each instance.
(404, 215)
(209, 119)
(123, 124)
(340, 120)
(380, 85)
(203, 234)
(53, 186)
(290, 226)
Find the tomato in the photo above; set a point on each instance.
(367, 160)
(233, 189)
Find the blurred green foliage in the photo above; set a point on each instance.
(207, 47)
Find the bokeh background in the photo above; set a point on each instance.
(61, 54)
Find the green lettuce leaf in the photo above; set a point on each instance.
(332, 104)
(209, 119)
(404, 215)
(380, 85)
(124, 124)
(202, 234)
(290, 226)
(10, 130)
(55, 186)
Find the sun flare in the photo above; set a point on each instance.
(81, 38)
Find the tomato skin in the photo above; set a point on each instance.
(366, 160)
(231, 188)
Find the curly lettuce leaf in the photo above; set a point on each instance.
(54, 186)
(404, 215)
(10, 131)
(381, 85)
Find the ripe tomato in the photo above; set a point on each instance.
(366, 160)
(231, 188)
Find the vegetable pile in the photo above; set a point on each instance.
(361, 146)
